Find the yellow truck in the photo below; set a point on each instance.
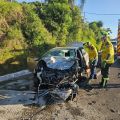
(118, 41)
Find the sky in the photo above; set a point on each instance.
(101, 7)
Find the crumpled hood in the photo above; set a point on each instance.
(60, 63)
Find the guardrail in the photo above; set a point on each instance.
(15, 75)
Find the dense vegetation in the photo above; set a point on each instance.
(29, 29)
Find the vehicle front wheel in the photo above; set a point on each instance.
(74, 93)
(36, 82)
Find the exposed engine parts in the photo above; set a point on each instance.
(60, 68)
(57, 79)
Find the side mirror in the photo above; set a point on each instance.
(77, 58)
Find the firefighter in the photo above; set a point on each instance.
(93, 59)
(107, 59)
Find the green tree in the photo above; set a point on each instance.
(98, 29)
(56, 16)
(72, 3)
(33, 29)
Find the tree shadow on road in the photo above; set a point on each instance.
(84, 84)
(110, 85)
(116, 64)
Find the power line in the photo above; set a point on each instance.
(102, 14)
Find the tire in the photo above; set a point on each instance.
(36, 82)
(74, 93)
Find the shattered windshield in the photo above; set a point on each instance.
(61, 53)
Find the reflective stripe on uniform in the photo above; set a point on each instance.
(106, 79)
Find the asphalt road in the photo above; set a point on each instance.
(17, 101)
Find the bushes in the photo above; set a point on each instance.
(56, 16)
(21, 33)
(33, 28)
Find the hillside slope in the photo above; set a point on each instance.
(21, 30)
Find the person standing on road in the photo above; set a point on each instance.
(107, 59)
(93, 59)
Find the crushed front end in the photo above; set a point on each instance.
(60, 79)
